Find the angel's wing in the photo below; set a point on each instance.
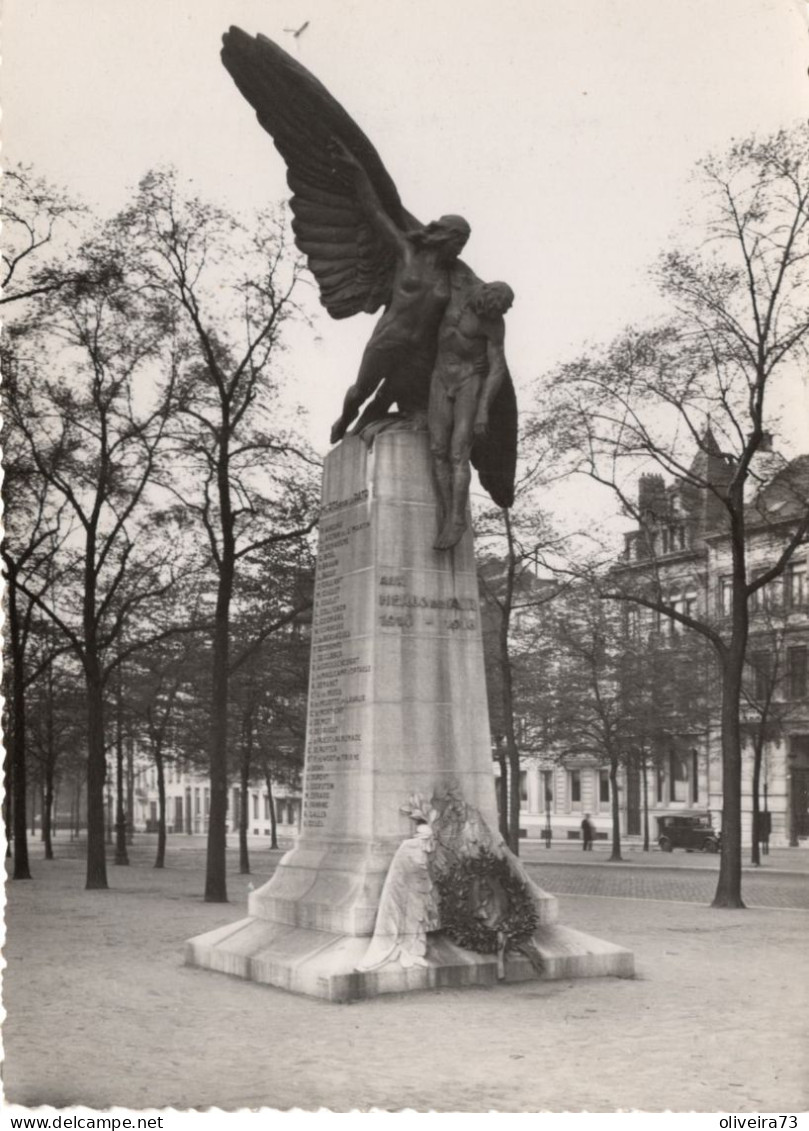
(352, 265)
(495, 458)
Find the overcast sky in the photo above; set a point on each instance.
(565, 132)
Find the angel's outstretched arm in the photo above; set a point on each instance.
(368, 199)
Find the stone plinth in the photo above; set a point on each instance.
(397, 705)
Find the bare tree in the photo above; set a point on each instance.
(95, 446)
(709, 379)
(34, 528)
(514, 544)
(247, 479)
(37, 218)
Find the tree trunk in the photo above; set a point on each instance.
(273, 819)
(160, 858)
(729, 887)
(48, 770)
(215, 875)
(758, 750)
(512, 750)
(644, 769)
(47, 808)
(22, 870)
(96, 775)
(121, 856)
(7, 787)
(514, 797)
(96, 754)
(244, 814)
(615, 855)
(130, 791)
(502, 790)
(33, 795)
(215, 871)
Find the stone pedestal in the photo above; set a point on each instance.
(397, 705)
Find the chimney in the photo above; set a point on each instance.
(765, 444)
(652, 502)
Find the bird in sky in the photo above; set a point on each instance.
(299, 31)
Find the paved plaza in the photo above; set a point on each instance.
(716, 1019)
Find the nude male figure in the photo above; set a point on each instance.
(470, 367)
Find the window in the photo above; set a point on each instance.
(632, 621)
(761, 598)
(523, 790)
(762, 674)
(725, 596)
(678, 767)
(690, 603)
(574, 777)
(604, 786)
(677, 602)
(795, 588)
(660, 775)
(255, 806)
(547, 787)
(673, 538)
(797, 672)
(266, 807)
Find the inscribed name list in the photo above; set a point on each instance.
(341, 668)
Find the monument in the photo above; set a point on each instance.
(398, 880)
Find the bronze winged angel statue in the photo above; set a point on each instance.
(439, 324)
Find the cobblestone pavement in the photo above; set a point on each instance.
(794, 860)
(628, 881)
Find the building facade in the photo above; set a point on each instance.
(681, 544)
(188, 803)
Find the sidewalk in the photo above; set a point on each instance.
(101, 1011)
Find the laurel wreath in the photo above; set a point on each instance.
(458, 919)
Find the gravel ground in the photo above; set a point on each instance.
(102, 1012)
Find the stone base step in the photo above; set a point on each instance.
(323, 965)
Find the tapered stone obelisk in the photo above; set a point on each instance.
(397, 706)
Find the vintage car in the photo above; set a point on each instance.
(691, 831)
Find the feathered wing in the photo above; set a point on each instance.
(495, 458)
(352, 264)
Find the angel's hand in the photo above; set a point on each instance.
(481, 427)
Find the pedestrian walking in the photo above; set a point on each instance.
(587, 833)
